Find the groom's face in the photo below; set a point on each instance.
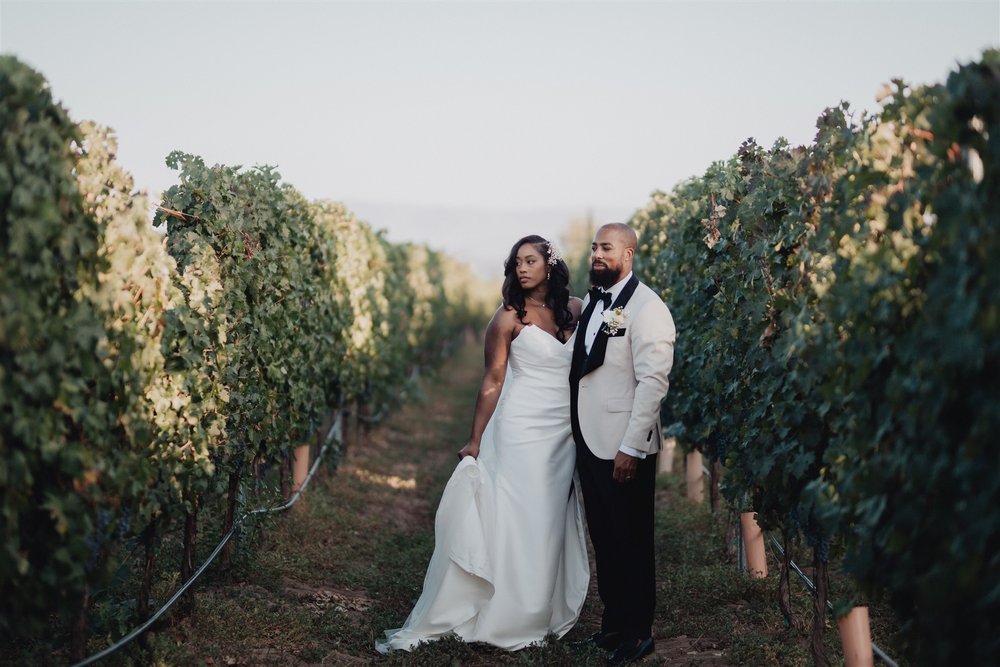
(610, 258)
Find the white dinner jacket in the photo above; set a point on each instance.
(618, 401)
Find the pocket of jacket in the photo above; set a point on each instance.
(619, 405)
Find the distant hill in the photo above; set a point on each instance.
(482, 236)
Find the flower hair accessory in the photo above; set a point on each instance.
(553, 251)
(614, 320)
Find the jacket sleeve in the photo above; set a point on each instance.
(653, 336)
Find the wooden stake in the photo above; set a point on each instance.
(856, 638)
(666, 462)
(753, 545)
(300, 469)
(695, 477)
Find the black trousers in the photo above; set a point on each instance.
(620, 521)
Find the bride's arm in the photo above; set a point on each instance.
(499, 334)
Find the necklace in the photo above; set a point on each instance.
(535, 301)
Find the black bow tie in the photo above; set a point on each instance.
(599, 293)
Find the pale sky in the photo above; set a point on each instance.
(467, 125)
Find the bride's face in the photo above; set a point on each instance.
(530, 267)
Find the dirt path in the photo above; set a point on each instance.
(327, 578)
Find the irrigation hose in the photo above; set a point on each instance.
(795, 568)
(332, 434)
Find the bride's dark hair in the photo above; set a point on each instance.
(557, 298)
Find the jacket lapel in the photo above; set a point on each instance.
(597, 351)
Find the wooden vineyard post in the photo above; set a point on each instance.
(856, 638)
(666, 462)
(300, 468)
(695, 477)
(753, 545)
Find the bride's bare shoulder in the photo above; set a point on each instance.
(500, 332)
(575, 307)
(504, 320)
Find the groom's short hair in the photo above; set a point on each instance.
(631, 240)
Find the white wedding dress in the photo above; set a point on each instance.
(510, 557)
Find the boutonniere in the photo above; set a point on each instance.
(614, 320)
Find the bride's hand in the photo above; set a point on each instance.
(471, 449)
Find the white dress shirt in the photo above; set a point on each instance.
(594, 326)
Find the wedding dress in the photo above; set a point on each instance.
(510, 559)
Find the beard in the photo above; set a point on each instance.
(605, 277)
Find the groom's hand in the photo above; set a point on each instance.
(625, 467)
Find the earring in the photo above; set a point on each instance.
(548, 276)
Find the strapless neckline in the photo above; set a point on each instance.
(542, 332)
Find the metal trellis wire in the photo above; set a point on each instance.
(335, 433)
(829, 605)
(742, 564)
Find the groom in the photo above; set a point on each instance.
(622, 355)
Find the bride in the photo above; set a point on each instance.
(510, 559)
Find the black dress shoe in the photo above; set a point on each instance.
(631, 651)
(606, 641)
